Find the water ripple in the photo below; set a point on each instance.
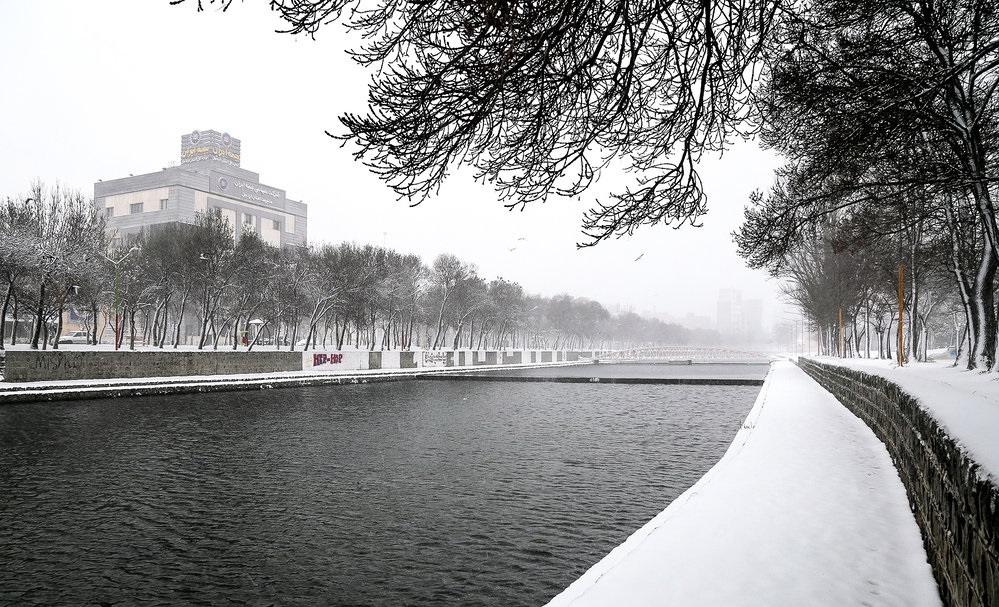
(380, 494)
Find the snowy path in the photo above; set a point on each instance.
(965, 403)
(805, 508)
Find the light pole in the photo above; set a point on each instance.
(116, 265)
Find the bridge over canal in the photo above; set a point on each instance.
(686, 355)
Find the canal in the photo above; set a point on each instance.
(402, 493)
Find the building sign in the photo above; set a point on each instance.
(209, 145)
(246, 191)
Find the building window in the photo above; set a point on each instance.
(109, 211)
(163, 204)
(135, 207)
(247, 218)
(277, 225)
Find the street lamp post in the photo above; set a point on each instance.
(116, 266)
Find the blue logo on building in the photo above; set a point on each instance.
(223, 183)
(195, 136)
(226, 139)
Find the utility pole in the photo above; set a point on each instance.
(841, 353)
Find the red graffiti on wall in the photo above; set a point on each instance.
(322, 359)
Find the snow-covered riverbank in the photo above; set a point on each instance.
(965, 403)
(11, 392)
(805, 508)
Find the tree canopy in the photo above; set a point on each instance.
(539, 97)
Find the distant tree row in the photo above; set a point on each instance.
(887, 115)
(181, 282)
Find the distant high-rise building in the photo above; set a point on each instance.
(208, 177)
(729, 310)
(738, 317)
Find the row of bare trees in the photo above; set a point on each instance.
(887, 115)
(51, 254)
(196, 284)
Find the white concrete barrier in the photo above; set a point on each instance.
(321, 361)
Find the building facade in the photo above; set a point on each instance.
(208, 177)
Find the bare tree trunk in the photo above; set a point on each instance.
(162, 333)
(888, 338)
(180, 319)
(131, 324)
(14, 325)
(867, 326)
(235, 333)
(983, 314)
(3, 312)
(55, 345)
(40, 318)
(94, 311)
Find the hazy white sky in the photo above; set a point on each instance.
(106, 89)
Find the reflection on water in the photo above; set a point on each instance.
(407, 493)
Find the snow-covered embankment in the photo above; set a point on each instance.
(805, 508)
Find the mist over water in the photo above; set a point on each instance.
(406, 493)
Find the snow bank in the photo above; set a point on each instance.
(965, 403)
(805, 508)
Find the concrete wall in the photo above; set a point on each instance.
(391, 359)
(322, 361)
(956, 507)
(101, 364)
(513, 358)
(28, 365)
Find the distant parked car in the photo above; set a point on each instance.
(75, 337)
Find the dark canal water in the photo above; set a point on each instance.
(647, 371)
(409, 493)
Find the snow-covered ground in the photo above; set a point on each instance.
(805, 508)
(965, 403)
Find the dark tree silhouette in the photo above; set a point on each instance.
(540, 96)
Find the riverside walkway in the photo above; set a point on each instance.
(805, 508)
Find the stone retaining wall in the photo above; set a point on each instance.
(955, 504)
(33, 365)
